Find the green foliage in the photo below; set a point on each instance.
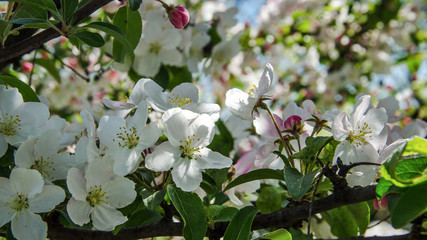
(134, 4)
(67, 8)
(90, 38)
(348, 221)
(50, 67)
(154, 200)
(191, 209)
(240, 226)
(270, 199)
(130, 23)
(169, 77)
(257, 174)
(281, 234)
(223, 141)
(297, 183)
(220, 213)
(313, 149)
(26, 91)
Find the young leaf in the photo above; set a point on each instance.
(411, 204)
(116, 33)
(257, 174)
(417, 145)
(281, 234)
(240, 226)
(297, 183)
(90, 38)
(26, 91)
(130, 23)
(191, 209)
(68, 7)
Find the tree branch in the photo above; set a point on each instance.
(11, 52)
(284, 218)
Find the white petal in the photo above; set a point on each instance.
(341, 127)
(171, 57)
(177, 126)
(10, 99)
(375, 119)
(162, 158)
(79, 211)
(120, 192)
(186, 90)
(126, 160)
(140, 90)
(117, 104)
(76, 184)
(139, 119)
(186, 175)
(149, 135)
(360, 108)
(48, 143)
(98, 172)
(26, 181)
(29, 226)
(33, 113)
(89, 123)
(212, 109)
(147, 65)
(106, 218)
(240, 103)
(45, 201)
(6, 214)
(24, 156)
(108, 129)
(265, 81)
(212, 160)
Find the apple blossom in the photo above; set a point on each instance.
(186, 153)
(244, 104)
(23, 195)
(19, 120)
(97, 194)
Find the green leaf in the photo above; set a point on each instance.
(8, 158)
(90, 38)
(26, 91)
(383, 187)
(218, 175)
(220, 213)
(348, 221)
(154, 200)
(130, 23)
(314, 146)
(297, 183)
(281, 234)
(409, 206)
(191, 209)
(49, 65)
(30, 11)
(44, 4)
(24, 21)
(416, 145)
(116, 33)
(412, 170)
(178, 75)
(68, 7)
(134, 4)
(270, 199)
(240, 226)
(257, 174)
(222, 142)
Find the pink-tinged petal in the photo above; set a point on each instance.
(120, 192)
(264, 125)
(185, 90)
(265, 81)
(28, 225)
(45, 201)
(360, 108)
(309, 106)
(245, 162)
(240, 103)
(10, 99)
(117, 104)
(341, 127)
(24, 156)
(162, 158)
(186, 175)
(212, 160)
(26, 181)
(106, 218)
(79, 211)
(76, 184)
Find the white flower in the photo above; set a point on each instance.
(23, 195)
(188, 133)
(361, 135)
(18, 120)
(97, 195)
(42, 153)
(243, 104)
(158, 45)
(125, 139)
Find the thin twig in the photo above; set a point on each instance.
(32, 69)
(87, 79)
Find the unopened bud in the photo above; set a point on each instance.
(381, 204)
(292, 122)
(27, 67)
(178, 16)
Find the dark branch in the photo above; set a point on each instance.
(11, 52)
(283, 218)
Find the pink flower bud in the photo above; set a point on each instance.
(178, 16)
(292, 122)
(27, 67)
(382, 204)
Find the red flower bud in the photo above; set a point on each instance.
(27, 67)
(178, 16)
(292, 122)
